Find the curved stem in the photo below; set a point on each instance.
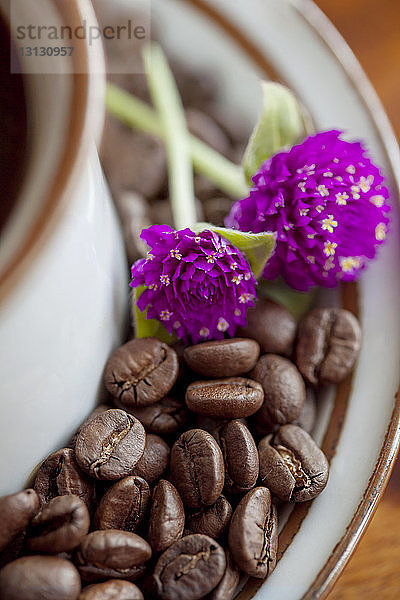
(138, 115)
(169, 106)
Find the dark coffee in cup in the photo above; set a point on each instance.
(13, 127)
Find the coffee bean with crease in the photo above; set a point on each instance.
(227, 587)
(253, 533)
(155, 459)
(213, 426)
(240, 456)
(230, 398)
(167, 517)
(40, 578)
(60, 475)
(17, 511)
(190, 569)
(284, 390)
(113, 589)
(197, 468)
(97, 411)
(112, 554)
(60, 526)
(328, 345)
(306, 419)
(141, 372)
(292, 465)
(222, 358)
(212, 520)
(110, 446)
(163, 418)
(272, 325)
(124, 505)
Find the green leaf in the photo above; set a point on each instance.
(298, 303)
(257, 247)
(282, 123)
(148, 327)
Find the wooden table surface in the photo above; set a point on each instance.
(372, 29)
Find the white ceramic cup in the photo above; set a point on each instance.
(63, 271)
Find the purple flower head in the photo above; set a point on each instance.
(198, 285)
(326, 201)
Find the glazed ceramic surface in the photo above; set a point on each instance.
(63, 307)
(293, 35)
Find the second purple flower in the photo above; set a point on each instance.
(327, 203)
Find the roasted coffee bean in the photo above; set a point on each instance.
(162, 418)
(110, 445)
(240, 456)
(328, 345)
(211, 521)
(292, 465)
(39, 578)
(155, 459)
(124, 505)
(272, 325)
(97, 411)
(222, 358)
(213, 426)
(60, 475)
(227, 587)
(141, 372)
(189, 569)
(112, 554)
(253, 534)
(306, 419)
(113, 589)
(231, 398)
(197, 468)
(167, 517)
(284, 389)
(308, 416)
(60, 526)
(16, 511)
(274, 470)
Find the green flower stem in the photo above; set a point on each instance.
(168, 103)
(225, 174)
(137, 114)
(132, 111)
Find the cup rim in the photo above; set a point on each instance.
(79, 124)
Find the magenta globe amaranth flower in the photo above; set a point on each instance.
(326, 201)
(198, 285)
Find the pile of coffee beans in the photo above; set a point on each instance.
(172, 491)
